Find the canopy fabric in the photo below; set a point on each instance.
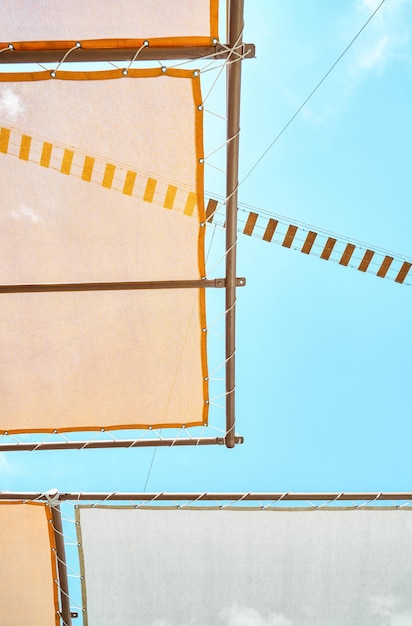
(229, 567)
(118, 23)
(28, 594)
(101, 182)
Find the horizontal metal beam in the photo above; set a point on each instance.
(90, 55)
(32, 446)
(214, 496)
(119, 286)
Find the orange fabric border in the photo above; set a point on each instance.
(96, 75)
(52, 551)
(140, 73)
(197, 95)
(214, 19)
(97, 44)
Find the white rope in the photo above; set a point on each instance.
(219, 169)
(109, 495)
(76, 47)
(214, 82)
(231, 51)
(9, 48)
(222, 117)
(217, 406)
(52, 497)
(222, 395)
(222, 145)
(68, 541)
(224, 362)
(369, 501)
(144, 45)
(235, 502)
(221, 258)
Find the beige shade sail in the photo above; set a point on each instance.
(28, 594)
(101, 182)
(117, 23)
(260, 568)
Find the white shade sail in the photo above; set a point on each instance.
(28, 594)
(101, 181)
(260, 568)
(48, 24)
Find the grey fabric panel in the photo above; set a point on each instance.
(248, 568)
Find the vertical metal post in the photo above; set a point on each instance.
(235, 28)
(61, 565)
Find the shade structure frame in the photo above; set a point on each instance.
(65, 611)
(152, 52)
(207, 561)
(220, 510)
(202, 496)
(233, 78)
(218, 283)
(93, 444)
(235, 27)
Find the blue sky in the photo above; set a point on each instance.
(323, 367)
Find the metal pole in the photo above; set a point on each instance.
(110, 443)
(235, 28)
(257, 497)
(118, 286)
(61, 564)
(20, 54)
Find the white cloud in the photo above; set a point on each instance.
(401, 619)
(236, 616)
(11, 105)
(374, 55)
(4, 465)
(389, 608)
(24, 212)
(246, 616)
(386, 37)
(382, 605)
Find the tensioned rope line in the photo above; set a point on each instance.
(150, 468)
(314, 90)
(318, 242)
(153, 189)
